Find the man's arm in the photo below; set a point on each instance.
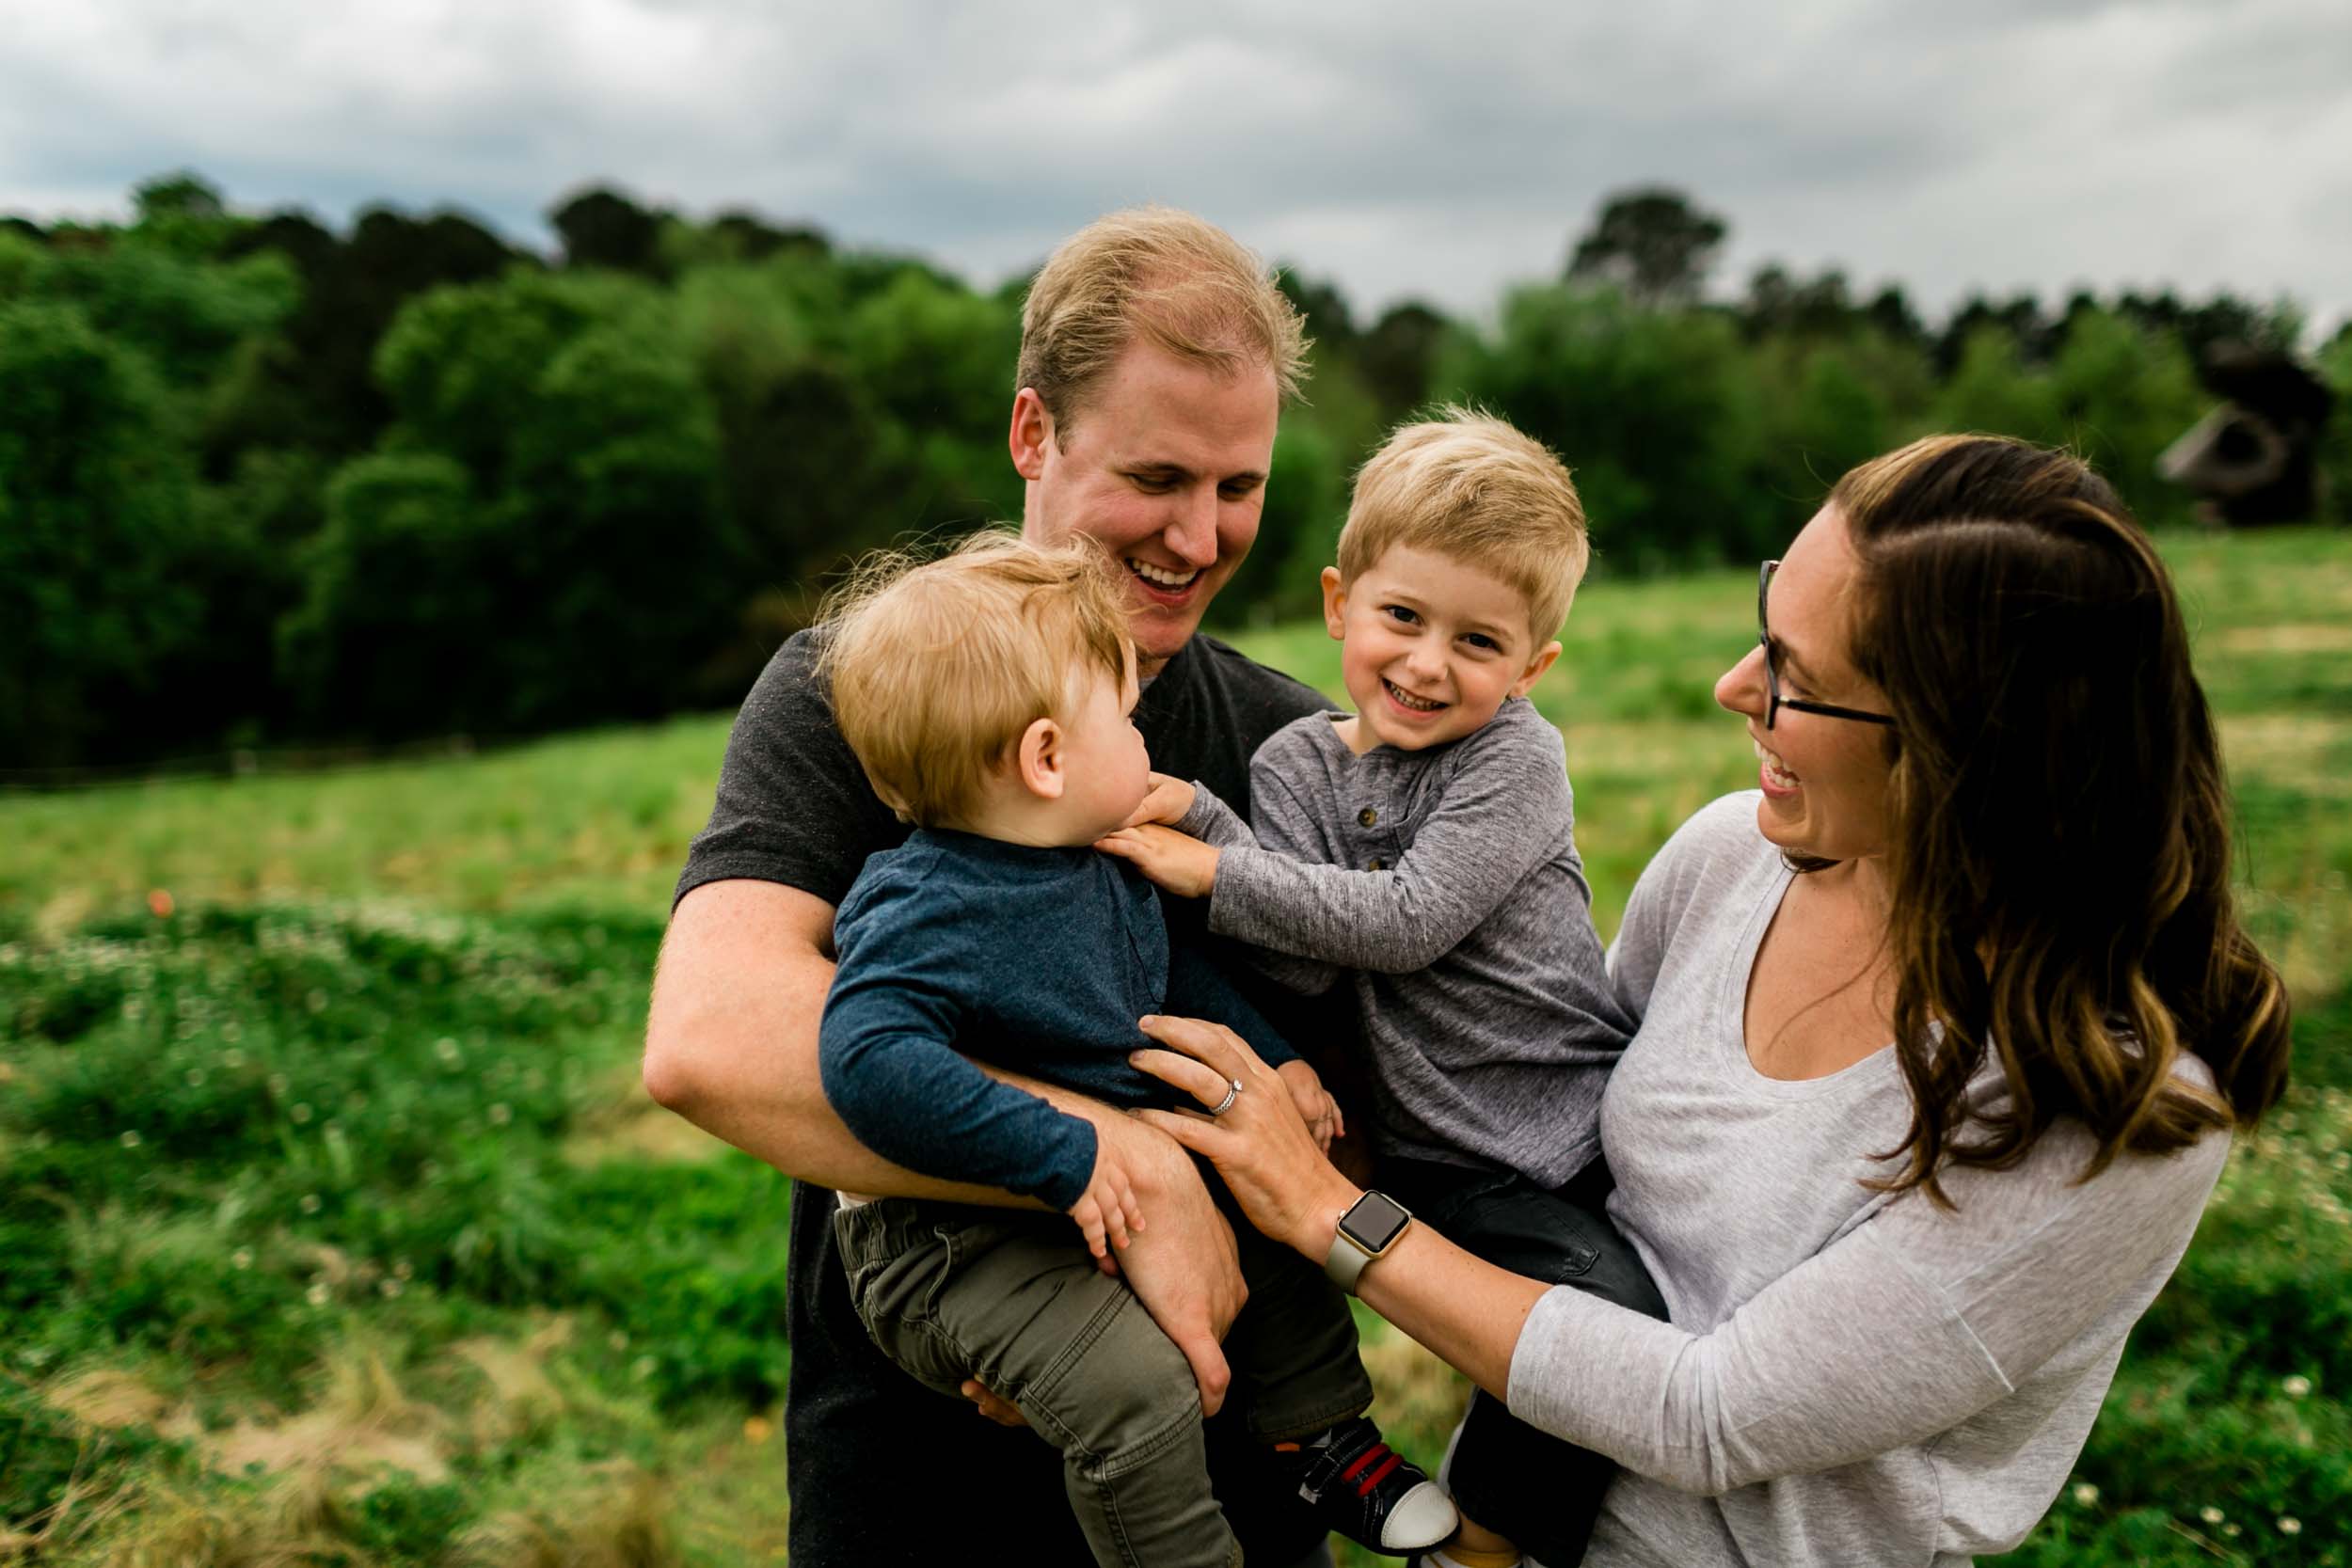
(731, 1037)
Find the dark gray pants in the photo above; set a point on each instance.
(1014, 1299)
(1542, 1492)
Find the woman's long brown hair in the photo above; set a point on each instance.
(2060, 855)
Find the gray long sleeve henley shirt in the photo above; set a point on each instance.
(1446, 882)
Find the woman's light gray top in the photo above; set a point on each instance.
(1845, 1378)
(1446, 882)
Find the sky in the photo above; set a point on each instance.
(1401, 150)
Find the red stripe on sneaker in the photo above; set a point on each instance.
(1368, 1455)
(1364, 1490)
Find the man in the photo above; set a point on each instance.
(1155, 356)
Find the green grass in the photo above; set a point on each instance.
(333, 1226)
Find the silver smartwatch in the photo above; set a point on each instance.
(1369, 1228)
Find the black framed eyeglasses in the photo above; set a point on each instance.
(1775, 701)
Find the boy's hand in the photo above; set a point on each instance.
(1106, 1210)
(1168, 800)
(1315, 1105)
(1184, 866)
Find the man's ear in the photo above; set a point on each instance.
(1032, 432)
(1334, 603)
(1038, 759)
(1535, 667)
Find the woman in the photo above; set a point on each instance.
(1992, 829)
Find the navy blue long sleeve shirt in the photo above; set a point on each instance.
(954, 946)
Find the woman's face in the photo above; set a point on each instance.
(1824, 779)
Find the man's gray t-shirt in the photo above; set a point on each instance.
(1446, 882)
(1845, 1377)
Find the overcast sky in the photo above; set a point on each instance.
(1401, 150)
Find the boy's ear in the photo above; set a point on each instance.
(1535, 667)
(1038, 759)
(1032, 429)
(1334, 603)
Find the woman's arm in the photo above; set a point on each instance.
(1904, 1327)
(1900, 1329)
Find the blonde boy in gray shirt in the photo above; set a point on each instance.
(1423, 847)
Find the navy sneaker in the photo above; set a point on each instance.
(1371, 1493)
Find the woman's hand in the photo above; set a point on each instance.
(1261, 1145)
(1171, 861)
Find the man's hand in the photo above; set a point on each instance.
(1106, 1210)
(1184, 866)
(1187, 1271)
(1315, 1105)
(1170, 800)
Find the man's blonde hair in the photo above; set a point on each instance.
(1179, 282)
(937, 667)
(1469, 487)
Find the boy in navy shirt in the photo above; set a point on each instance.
(988, 698)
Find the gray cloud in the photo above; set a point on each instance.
(1400, 150)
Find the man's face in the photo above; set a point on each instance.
(1164, 463)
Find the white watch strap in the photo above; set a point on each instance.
(1345, 1261)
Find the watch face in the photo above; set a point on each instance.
(1375, 1221)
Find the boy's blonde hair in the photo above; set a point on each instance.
(937, 667)
(1179, 281)
(1469, 487)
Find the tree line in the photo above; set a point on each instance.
(262, 481)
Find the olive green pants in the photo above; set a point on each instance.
(951, 1291)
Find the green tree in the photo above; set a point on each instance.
(1993, 390)
(185, 313)
(94, 516)
(548, 479)
(2335, 446)
(1397, 357)
(393, 634)
(601, 228)
(2123, 394)
(1653, 244)
(1653, 410)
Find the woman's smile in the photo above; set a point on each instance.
(1777, 780)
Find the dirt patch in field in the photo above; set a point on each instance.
(522, 1398)
(365, 1422)
(2301, 750)
(109, 1399)
(2295, 637)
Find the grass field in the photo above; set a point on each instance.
(334, 1230)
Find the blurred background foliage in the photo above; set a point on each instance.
(265, 483)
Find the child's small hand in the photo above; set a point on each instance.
(1315, 1105)
(1184, 866)
(1106, 1210)
(1170, 798)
